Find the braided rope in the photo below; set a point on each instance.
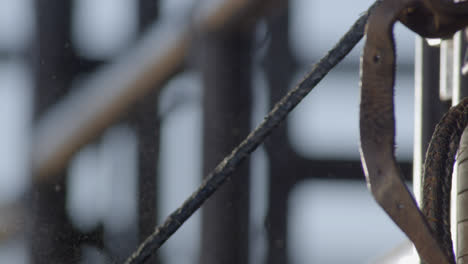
(438, 169)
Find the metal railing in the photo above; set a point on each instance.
(99, 102)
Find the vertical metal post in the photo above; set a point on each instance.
(54, 239)
(147, 128)
(428, 107)
(226, 68)
(279, 66)
(52, 230)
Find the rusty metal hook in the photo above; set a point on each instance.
(429, 18)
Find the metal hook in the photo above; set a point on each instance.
(434, 18)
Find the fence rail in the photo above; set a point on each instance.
(101, 100)
(110, 92)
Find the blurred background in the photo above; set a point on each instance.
(301, 197)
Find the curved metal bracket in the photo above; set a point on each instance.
(434, 18)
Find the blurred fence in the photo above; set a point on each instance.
(218, 39)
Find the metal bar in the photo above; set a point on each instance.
(280, 66)
(446, 69)
(147, 127)
(102, 99)
(226, 65)
(54, 239)
(428, 107)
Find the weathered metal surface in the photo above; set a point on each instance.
(377, 122)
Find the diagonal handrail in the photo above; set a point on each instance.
(99, 102)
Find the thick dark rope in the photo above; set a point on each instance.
(279, 112)
(438, 169)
